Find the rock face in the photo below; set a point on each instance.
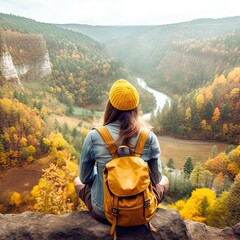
(80, 225)
(23, 57)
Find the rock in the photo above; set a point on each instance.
(200, 231)
(23, 57)
(80, 225)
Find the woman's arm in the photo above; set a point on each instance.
(87, 172)
(154, 163)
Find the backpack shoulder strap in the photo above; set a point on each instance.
(107, 138)
(141, 141)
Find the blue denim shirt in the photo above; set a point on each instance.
(95, 155)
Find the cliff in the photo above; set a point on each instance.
(80, 225)
(23, 57)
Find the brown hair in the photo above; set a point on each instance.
(129, 123)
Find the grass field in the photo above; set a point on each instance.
(33, 85)
(80, 112)
(179, 150)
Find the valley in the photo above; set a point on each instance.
(194, 66)
(25, 178)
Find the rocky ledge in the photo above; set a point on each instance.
(80, 225)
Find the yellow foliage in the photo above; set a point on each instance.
(23, 142)
(217, 164)
(85, 132)
(216, 115)
(57, 140)
(203, 124)
(31, 149)
(6, 105)
(199, 102)
(234, 75)
(179, 205)
(222, 80)
(233, 168)
(46, 141)
(30, 159)
(6, 137)
(208, 94)
(53, 192)
(192, 209)
(235, 93)
(12, 130)
(35, 191)
(225, 128)
(15, 199)
(199, 219)
(188, 114)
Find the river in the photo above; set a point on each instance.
(179, 149)
(160, 97)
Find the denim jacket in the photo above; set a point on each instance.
(95, 155)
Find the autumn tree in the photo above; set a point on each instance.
(199, 102)
(216, 115)
(188, 115)
(15, 199)
(217, 164)
(196, 207)
(52, 194)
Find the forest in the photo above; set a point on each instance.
(174, 58)
(208, 113)
(82, 71)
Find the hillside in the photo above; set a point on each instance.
(207, 113)
(23, 56)
(154, 53)
(77, 61)
(82, 70)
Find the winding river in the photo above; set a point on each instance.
(161, 98)
(180, 149)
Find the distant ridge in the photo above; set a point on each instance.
(107, 33)
(174, 58)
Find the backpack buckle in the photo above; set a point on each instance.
(114, 211)
(147, 202)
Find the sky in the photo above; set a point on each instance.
(120, 12)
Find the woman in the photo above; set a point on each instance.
(121, 120)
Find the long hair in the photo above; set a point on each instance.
(129, 123)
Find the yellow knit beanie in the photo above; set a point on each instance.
(123, 95)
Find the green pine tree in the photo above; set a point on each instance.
(209, 110)
(188, 167)
(170, 164)
(234, 202)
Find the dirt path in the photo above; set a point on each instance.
(22, 179)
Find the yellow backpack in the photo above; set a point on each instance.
(129, 199)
